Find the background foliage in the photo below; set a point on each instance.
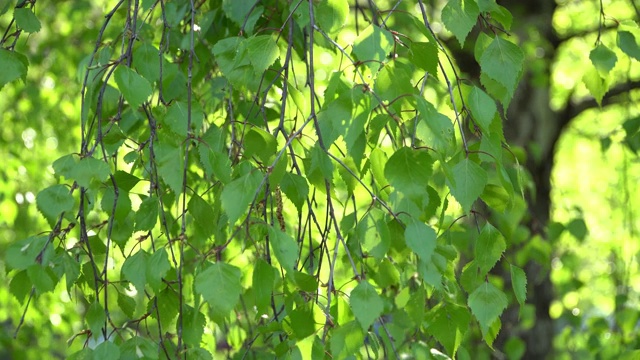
(246, 179)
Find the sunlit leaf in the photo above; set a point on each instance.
(603, 58)
(482, 106)
(330, 14)
(238, 194)
(285, 248)
(489, 248)
(459, 17)
(263, 52)
(503, 61)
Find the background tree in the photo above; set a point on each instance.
(248, 186)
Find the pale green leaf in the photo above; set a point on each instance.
(220, 285)
(157, 267)
(503, 61)
(330, 15)
(238, 194)
(482, 107)
(469, 180)
(409, 170)
(420, 238)
(519, 284)
(346, 340)
(135, 89)
(425, 56)
(54, 200)
(285, 248)
(448, 323)
(487, 302)
(296, 188)
(147, 215)
(263, 52)
(489, 248)
(459, 17)
(259, 143)
(365, 303)
(134, 269)
(372, 46)
(596, 85)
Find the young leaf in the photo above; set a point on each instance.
(487, 302)
(596, 85)
(420, 238)
(219, 284)
(459, 17)
(285, 248)
(134, 87)
(13, 65)
(366, 304)
(489, 248)
(469, 180)
(519, 283)
(503, 61)
(603, 58)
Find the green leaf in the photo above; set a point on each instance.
(330, 15)
(170, 161)
(42, 278)
(177, 115)
(628, 39)
(603, 58)
(596, 85)
(23, 253)
(134, 87)
(489, 248)
(203, 215)
(220, 285)
(365, 303)
(372, 46)
(260, 143)
(193, 326)
(122, 206)
(26, 20)
(469, 180)
(127, 304)
(578, 228)
(157, 267)
(425, 56)
(238, 11)
(409, 170)
(296, 188)
(147, 62)
(459, 17)
(482, 107)
(13, 65)
(147, 215)
(320, 167)
(346, 340)
(301, 322)
(285, 248)
(238, 194)
(88, 169)
(53, 201)
(134, 270)
(434, 128)
(71, 269)
(420, 238)
(335, 118)
(20, 286)
(263, 52)
(107, 350)
(503, 61)
(263, 281)
(519, 284)
(487, 303)
(305, 282)
(96, 319)
(448, 323)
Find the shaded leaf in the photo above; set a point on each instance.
(219, 284)
(519, 284)
(469, 180)
(134, 87)
(365, 303)
(487, 303)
